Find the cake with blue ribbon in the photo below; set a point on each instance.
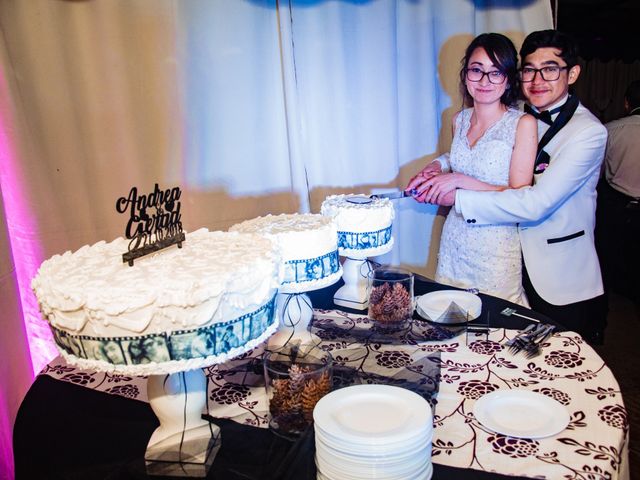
(308, 245)
(174, 310)
(364, 224)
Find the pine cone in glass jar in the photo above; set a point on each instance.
(390, 304)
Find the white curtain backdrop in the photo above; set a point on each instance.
(250, 106)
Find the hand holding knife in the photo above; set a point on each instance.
(394, 195)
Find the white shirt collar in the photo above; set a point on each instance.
(555, 105)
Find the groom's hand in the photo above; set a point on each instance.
(447, 199)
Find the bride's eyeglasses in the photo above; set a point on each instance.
(476, 75)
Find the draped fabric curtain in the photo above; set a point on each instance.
(251, 107)
(601, 86)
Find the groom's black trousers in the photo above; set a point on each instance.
(588, 317)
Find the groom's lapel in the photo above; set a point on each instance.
(542, 158)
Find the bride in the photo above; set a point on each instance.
(493, 148)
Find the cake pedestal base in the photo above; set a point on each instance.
(354, 292)
(184, 444)
(294, 314)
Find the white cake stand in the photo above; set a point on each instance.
(354, 293)
(295, 311)
(184, 444)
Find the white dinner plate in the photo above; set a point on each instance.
(367, 451)
(521, 413)
(372, 414)
(345, 472)
(434, 305)
(400, 470)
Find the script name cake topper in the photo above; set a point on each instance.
(151, 231)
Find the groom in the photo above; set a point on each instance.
(556, 216)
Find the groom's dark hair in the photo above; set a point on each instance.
(551, 39)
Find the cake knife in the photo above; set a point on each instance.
(394, 195)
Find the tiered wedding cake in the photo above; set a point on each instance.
(364, 230)
(310, 260)
(174, 310)
(308, 244)
(364, 224)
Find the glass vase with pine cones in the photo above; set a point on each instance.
(391, 300)
(295, 378)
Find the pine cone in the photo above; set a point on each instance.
(279, 397)
(390, 304)
(313, 391)
(292, 404)
(378, 293)
(297, 377)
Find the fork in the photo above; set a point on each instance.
(527, 337)
(533, 348)
(507, 312)
(517, 343)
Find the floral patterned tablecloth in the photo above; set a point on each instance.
(593, 446)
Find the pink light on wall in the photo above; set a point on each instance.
(23, 233)
(16, 372)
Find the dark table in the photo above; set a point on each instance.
(66, 431)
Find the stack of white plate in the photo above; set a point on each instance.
(373, 431)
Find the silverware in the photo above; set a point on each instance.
(510, 311)
(533, 349)
(394, 195)
(517, 342)
(525, 339)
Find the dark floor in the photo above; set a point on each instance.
(621, 352)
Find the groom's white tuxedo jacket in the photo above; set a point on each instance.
(556, 216)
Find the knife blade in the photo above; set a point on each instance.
(394, 195)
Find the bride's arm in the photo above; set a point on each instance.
(435, 167)
(520, 170)
(524, 152)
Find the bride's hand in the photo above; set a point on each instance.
(432, 169)
(436, 187)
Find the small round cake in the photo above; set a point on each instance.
(364, 224)
(308, 245)
(173, 310)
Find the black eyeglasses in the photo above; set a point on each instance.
(548, 74)
(476, 75)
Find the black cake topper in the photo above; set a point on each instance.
(151, 231)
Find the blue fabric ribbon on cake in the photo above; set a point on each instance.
(364, 240)
(201, 342)
(310, 269)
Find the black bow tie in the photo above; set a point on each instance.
(544, 116)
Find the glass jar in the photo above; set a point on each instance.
(296, 377)
(391, 299)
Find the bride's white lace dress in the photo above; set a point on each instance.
(486, 257)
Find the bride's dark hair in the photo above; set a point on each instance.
(504, 56)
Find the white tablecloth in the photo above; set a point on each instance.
(593, 446)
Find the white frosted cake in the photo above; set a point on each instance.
(174, 310)
(308, 245)
(364, 224)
